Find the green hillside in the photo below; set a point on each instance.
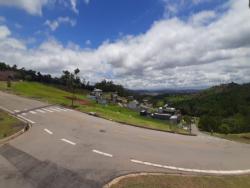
(223, 109)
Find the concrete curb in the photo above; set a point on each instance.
(118, 179)
(5, 140)
(132, 175)
(23, 130)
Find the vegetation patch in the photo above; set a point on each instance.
(9, 125)
(222, 109)
(181, 181)
(243, 137)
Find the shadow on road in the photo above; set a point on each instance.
(43, 174)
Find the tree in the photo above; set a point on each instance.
(9, 81)
(72, 81)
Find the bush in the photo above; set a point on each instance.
(224, 128)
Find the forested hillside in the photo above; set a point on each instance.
(224, 108)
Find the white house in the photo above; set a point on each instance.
(97, 92)
(133, 105)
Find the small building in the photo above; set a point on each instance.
(165, 106)
(160, 110)
(97, 93)
(161, 116)
(133, 105)
(170, 110)
(114, 97)
(175, 119)
(143, 113)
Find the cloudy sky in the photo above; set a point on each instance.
(142, 44)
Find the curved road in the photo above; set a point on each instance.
(66, 148)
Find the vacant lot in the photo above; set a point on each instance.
(112, 112)
(175, 181)
(9, 125)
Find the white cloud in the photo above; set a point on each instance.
(172, 53)
(73, 5)
(33, 7)
(174, 7)
(53, 25)
(4, 32)
(203, 17)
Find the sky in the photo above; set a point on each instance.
(141, 44)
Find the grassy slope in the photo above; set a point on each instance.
(57, 96)
(9, 125)
(243, 137)
(174, 181)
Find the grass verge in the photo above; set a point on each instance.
(9, 125)
(57, 96)
(181, 181)
(243, 137)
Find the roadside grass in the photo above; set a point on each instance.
(243, 137)
(55, 95)
(124, 115)
(181, 181)
(9, 125)
(38, 91)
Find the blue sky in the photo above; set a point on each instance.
(140, 44)
(96, 21)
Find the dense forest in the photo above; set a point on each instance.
(223, 109)
(68, 80)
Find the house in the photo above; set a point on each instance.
(133, 105)
(160, 110)
(114, 97)
(169, 110)
(146, 103)
(165, 106)
(175, 119)
(97, 93)
(143, 113)
(161, 116)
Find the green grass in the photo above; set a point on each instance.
(243, 137)
(175, 181)
(38, 91)
(124, 115)
(57, 96)
(9, 125)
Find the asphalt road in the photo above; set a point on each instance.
(66, 148)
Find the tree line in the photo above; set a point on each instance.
(223, 109)
(68, 80)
